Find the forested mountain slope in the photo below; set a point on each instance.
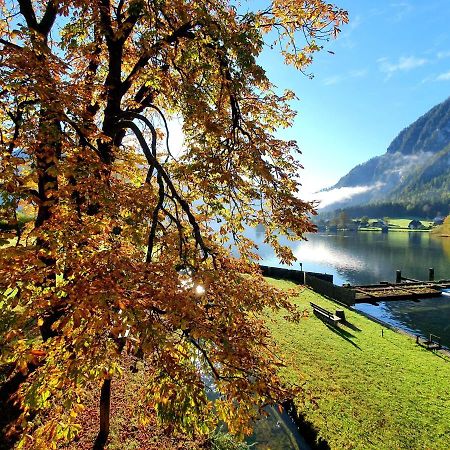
(413, 173)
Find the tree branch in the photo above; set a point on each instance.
(27, 11)
(183, 31)
(10, 44)
(105, 16)
(83, 139)
(49, 17)
(152, 160)
(216, 374)
(154, 226)
(17, 119)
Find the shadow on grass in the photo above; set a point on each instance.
(351, 326)
(440, 355)
(306, 428)
(344, 335)
(436, 352)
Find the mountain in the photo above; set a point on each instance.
(414, 173)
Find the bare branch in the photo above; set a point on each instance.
(48, 19)
(10, 44)
(27, 11)
(152, 234)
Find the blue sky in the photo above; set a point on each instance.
(391, 65)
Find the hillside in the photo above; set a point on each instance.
(429, 183)
(414, 173)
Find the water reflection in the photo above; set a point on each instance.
(277, 432)
(363, 258)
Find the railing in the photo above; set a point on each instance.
(294, 275)
(323, 287)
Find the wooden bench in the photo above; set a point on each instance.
(325, 315)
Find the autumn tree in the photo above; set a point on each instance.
(130, 248)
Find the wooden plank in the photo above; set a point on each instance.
(394, 292)
(362, 291)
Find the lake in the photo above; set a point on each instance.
(371, 257)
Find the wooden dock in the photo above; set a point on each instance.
(407, 290)
(403, 289)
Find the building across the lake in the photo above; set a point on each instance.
(416, 225)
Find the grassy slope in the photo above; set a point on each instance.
(403, 223)
(371, 392)
(399, 225)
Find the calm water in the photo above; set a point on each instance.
(363, 258)
(277, 432)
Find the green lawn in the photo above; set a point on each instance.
(6, 242)
(403, 223)
(362, 390)
(398, 225)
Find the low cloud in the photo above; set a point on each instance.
(327, 198)
(403, 64)
(346, 38)
(358, 73)
(355, 22)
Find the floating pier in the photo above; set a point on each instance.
(403, 289)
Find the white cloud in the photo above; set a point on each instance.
(336, 79)
(354, 22)
(443, 76)
(443, 55)
(404, 64)
(327, 198)
(358, 73)
(399, 10)
(346, 37)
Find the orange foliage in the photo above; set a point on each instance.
(125, 232)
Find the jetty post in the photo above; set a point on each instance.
(431, 274)
(398, 276)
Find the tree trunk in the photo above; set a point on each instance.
(46, 157)
(9, 409)
(105, 409)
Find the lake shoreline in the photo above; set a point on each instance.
(367, 258)
(443, 350)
